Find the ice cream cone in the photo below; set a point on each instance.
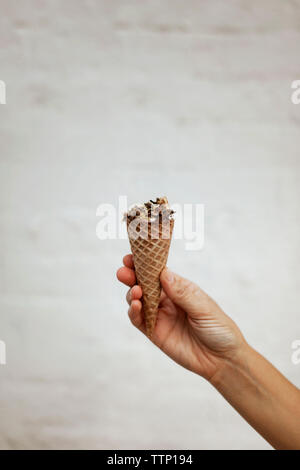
(150, 253)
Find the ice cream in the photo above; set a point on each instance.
(150, 227)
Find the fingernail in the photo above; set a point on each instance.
(169, 275)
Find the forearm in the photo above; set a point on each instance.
(260, 393)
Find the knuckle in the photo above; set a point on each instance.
(187, 290)
(133, 318)
(128, 296)
(194, 289)
(131, 315)
(182, 289)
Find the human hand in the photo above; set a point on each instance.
(191, 328)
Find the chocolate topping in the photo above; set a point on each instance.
(151, 210)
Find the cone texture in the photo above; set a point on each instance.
(150, 256)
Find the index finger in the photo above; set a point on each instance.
(127, 276)
(128, 261)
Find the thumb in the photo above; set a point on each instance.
(183, 292)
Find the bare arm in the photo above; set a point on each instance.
(263, 396)
(195, 332)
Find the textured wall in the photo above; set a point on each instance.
(185, 98)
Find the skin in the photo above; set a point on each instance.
(194, 331)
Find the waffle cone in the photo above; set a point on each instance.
(150, 256)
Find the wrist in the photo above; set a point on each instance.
(232, 366)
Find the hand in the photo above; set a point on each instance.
(191, 328)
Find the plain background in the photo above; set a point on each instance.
(189, 99)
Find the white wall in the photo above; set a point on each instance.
(185, 99)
